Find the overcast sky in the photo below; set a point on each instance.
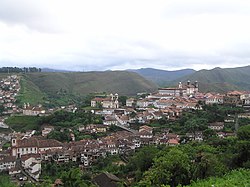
(125, 34)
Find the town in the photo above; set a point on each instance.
(119, 128)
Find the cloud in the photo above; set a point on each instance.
(32, 14)
(119, 34)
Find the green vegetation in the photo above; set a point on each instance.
(66, 119)
(219, 79)
(162, 77)
(61, 120)
(66, 87)
(70, 174)
(30, 93)
(12, 70)
(198, 120)
(235, 178)
(5, 181)
(23, 123)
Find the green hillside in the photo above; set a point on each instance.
(162, 77)
(30, 93)
(219, 79)
(234, 178)
(65, 86)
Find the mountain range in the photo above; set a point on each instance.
(63, 86)
(162, 77)
(220, 79)
(37, 87)
(217, 79)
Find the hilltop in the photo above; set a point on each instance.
(162, 77)
(58, 85)
(220, 79)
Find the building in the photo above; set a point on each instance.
(32, 111)
(106, 180)
(107, 102)
(32, 146)
(216, 126)
(214, 99)
(181, 91)
(7, 163)
(232, 98)
(130, 102)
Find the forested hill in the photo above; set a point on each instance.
(162, 77)
(219, 79)
(82, 83)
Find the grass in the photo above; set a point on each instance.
(54, 89)
(220, 80)
(83, 83)
(233, 179)
(30, 93)
(23, 123)
(5, 181)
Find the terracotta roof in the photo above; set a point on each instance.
(235, 93)
(49, 143)
(26, 157)
(8, 159)
(58, 182)
(34, 142)
(31, 142)
(147, 128)
(173, 141)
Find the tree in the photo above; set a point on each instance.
(206, 165)
(208, 133)
(244, 133)
(122, 99)
(196, 124)
(5, 181)
(73, 178)
(172, 168)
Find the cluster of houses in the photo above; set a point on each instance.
(27, 151)
(9, 88)
(235, 98)
(32, 150)
(167, 102)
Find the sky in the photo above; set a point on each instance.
(91, 35)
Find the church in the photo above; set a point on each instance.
(187, 89)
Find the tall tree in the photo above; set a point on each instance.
(172, 168)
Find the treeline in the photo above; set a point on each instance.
(19, 70)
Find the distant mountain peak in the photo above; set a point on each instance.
(162, 77)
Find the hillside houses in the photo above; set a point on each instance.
(216, 126)
(33, 111)
(9, 88)
(110, 101)
(32, 145)
(7, 162)
(214, 98)
(182, 90)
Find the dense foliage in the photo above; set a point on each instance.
(23, 123)
(19, 70)
(235, 178)
(5, 181)
(198, 120)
